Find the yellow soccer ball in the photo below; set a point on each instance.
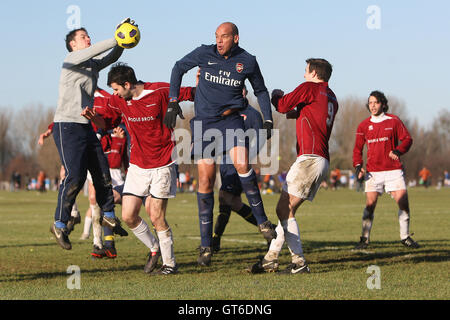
(127, 35)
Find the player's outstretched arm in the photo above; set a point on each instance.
(44, 136)
(80, 56)
(90, 114)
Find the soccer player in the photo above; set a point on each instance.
(115, 147)
(314, 105)
(231, 187)
(425, 176)
(381, 133)
(77, 145)
(224, 68)
(152, 173)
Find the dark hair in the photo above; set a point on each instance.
(120, 73)
(381, 98)
(322, 67)
(234, 29)
(71, 36)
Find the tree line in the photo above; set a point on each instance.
(20, 129)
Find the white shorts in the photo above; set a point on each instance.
(305, 176)
(388, 181)
(116, 177)
(158, 182)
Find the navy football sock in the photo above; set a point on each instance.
(222, 219)
(246, 213)
(251, 189)
(205, 216)
(109, 237)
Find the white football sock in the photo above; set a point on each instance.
(166, 243)
(403, 220)
(276, 244)
(96, 227)
(292, 236)
(87, 225)
(143, 233)
(367, 221)
(74, 211)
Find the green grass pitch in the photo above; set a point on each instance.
(33, 266)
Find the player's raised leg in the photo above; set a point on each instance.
(69, 139)
(247, 176)
(229, 202)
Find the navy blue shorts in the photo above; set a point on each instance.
(230, 179)
(216, 136)
(119, 189)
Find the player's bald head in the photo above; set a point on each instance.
(231, 27)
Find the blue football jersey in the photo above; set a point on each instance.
(221, 81)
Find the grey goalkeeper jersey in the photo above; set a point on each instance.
(78, 79)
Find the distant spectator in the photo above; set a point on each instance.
(343, 180)
(446, 179)
(41, 181)
(335, 177)
(351, 180)
(425, 177)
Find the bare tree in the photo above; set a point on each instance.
(6, 145)
(26, 129)
(351, 112)
(47, 155)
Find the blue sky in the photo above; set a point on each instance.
(406, 57)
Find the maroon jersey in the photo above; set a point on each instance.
(101, 98)
(381, 135)
(317, 106)
(115, 149)
(151, 140)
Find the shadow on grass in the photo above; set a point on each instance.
(380, 253)
(27, 245)
(340, 255)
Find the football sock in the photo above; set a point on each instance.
(96, 227)
(251, 189)
(74, 211)
(403, 219)
(205, 216)
(246, 213)
(222, 219)
(367, 221)
(87, 225)
(276, 244)
(143, 233)
(109, 237)
(292, 236)
(166, 244)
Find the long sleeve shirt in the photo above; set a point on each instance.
(382, 135)
(79, 77)
(221, 81)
